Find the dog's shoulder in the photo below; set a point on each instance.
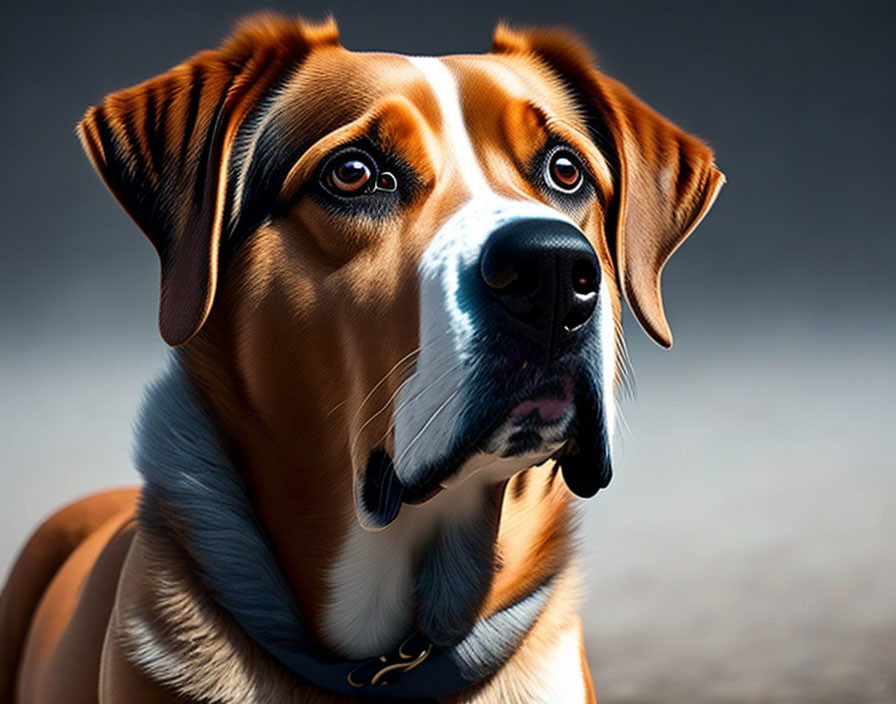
(169, 640)
(56, 604)
(131, 639)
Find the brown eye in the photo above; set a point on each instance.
(349, 176)
(563, 172)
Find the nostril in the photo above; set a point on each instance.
(524, 281)
(584, 277)
(519, 292)
(579, 314)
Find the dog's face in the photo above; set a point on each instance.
(415, 264)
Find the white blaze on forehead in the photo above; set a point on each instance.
(445, 88)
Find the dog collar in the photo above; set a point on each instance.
(417, 670)
(187, 472)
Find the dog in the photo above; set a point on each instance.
(393, 290)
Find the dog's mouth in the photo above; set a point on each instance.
(540, 421)
(561, 418)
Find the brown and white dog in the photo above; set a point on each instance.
(394, 285)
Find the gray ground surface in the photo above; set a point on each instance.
(744, 552)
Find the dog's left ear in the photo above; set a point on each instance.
(164, 148)
(666, 180)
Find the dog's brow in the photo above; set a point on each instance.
(379, 126)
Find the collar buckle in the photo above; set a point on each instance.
(387, 669)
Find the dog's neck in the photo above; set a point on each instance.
(440, 568)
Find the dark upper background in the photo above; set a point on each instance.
(742, 553)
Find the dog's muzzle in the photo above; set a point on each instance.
(527, 371)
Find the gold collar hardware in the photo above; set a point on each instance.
(398, 663)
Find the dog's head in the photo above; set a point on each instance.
(414, 265)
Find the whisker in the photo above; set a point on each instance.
(401, 361)
(353, 444)
(426, 425)
(357, 437)
(413, 398)
(336, 408)
(454, 367)
(414, 351)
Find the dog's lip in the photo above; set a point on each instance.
(382, 493)
(414, 496)
(548, 407)
(421, 497)
(544, 400)
(545, 404)
(549, 410)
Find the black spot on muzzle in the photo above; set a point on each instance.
(382, 491)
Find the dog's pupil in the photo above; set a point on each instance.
(352, 174)
(352, 171)
(565, 171)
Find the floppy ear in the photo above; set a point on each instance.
(163, 148)
(666, 180)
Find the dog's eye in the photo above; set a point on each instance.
(354, 172)
(350, 175)
(563, 172)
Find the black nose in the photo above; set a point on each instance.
(545, 275)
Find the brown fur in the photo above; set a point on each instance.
(667, 179)
(37, 566)
(313, 325)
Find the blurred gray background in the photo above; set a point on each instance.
(745, 550)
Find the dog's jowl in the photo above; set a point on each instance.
(393, 286)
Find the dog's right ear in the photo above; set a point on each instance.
(163, 148)
(666, 180)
